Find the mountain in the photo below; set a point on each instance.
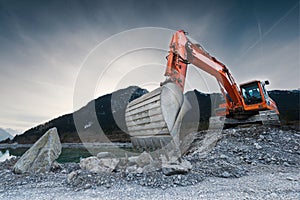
(13, 132)
(288, 103)
(109, 112)
(105, 109)
(4, 134)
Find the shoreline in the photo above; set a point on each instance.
(71, 145)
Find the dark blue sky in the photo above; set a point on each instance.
(43, 44)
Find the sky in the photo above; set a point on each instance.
(47, 46)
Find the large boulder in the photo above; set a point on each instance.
(98, 165)
(39, 158)
(144, 159)
(178, 167)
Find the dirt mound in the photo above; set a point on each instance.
(241, 148)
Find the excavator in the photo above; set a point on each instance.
(154, 120)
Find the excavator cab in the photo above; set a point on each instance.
(255, 96)
(257, 101)
(252, 93)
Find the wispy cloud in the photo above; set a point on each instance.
(43, 45)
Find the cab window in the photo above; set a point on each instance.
(251, 93)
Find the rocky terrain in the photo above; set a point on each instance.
(251, 162)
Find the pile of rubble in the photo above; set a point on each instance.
(240, 149)
(105, 169)
(144, 163)
(235, 153)
(230, 154)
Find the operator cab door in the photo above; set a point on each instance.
(253, 96)
(251, 93)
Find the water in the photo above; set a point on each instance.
(5, 155)
(71, 153)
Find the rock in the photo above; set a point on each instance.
(55, 166)
(291, 178)
(41, 155)
(110, 163)
(172, 169)
(144, 159)
(226, 174)
(87, 186)
(94, 164)
(131, 169)
(222, 156)
(138, 164)
(261, 137)
(122, 164)
(72, 175)
(132, 160)
(186, 164)
(139, 170)
(286, 164)
(271, 196)
(182, 167)
(149, 168)
(154, 165)
(257, 146)
(105, 155)
(91, 164)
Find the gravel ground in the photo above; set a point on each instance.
(247, 163)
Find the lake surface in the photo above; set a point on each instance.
(71, 152)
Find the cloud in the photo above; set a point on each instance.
(276, 61)
(43, 45)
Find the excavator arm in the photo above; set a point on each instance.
(183, 52)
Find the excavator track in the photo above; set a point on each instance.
(266, 117)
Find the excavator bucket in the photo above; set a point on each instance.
(153, 120)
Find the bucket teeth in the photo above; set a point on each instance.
(150, 143)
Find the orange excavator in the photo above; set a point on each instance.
(154, 120)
